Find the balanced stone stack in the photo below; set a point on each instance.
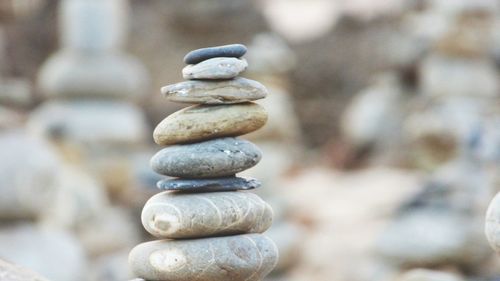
(210, 223)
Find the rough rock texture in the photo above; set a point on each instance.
(209, 185)
(209, 159)
(202, 122)
(233, 50)
(215, 92)
(11, 272)
(216, 68)
(242, 257)
(177, 215)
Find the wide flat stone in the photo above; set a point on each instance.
(209, 159)
(216, 68)
(236, 90)
(209, 185)
(176, 215)
(247, 257)
(203, 122)
(199, 55)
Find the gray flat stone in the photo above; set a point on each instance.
(199, 55)
(208, 159)
(176, 215)
(236, 90)
(216, 68)
(208, 185)
(242, 257)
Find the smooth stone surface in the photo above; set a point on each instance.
(214, 184)
(203, 122)
(208, 159)
(216, 68)
(242, 257)
(215, 92)
(199, 55)
(175, 215)
(428, 275)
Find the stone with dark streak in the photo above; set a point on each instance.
(209, 185)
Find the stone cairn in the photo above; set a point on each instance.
(209, 222)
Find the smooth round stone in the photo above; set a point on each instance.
(247, 257)
(203, 122)
(216, 68)
(208, 159)
(236, 90)
(12, 272)
(207, 185)
(176, 215)
(199, 55)
(492, 225)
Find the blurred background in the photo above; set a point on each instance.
(381, 154)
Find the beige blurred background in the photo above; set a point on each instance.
(381, 154)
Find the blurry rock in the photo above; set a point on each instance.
(450, 76)
(112, 230)
(90, 122)
(429, 237)
(428, 275)
(93, 25)
(270, 54)
(28, 172)
(111, 267)
(78, 198)
(15, 91)
(53, 253)
(11, 272)
(75, 75)
(9, 118)
(287, 236)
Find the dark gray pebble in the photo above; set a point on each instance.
(209, 159)
(229, 51)
(209, 185)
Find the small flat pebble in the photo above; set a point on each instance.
(199, 55)
(216, 68)
(176, 215)
(247, 257)
(236, 90)
(203, 122)
(209, 185)
(209, 159)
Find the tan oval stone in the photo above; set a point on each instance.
(247, 257)
(203, 122)
(194, 215)
(216, 68)
(236, 90)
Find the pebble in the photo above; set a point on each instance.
(199, 55)
(12, 272)
(203, 122)
(208, 159)
(241, 257)
(236, 90)
(216, 68)
(209, 185)
(178, 215)
(492, 225)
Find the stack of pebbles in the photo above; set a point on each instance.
(209, 221)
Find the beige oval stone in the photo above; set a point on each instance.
(235, 90)
(203, 122)
(193, 215)
(216, 68)
(247, 257)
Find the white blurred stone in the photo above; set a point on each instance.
(15, 91)
(268, 53)
(492, 227)
(93, 25)
(111, 267)
(10, 118)
(428, 275)
(28, 172)
(81, 75)
(90, 122)
(447, 77)
(53, 253)
(12, 272)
